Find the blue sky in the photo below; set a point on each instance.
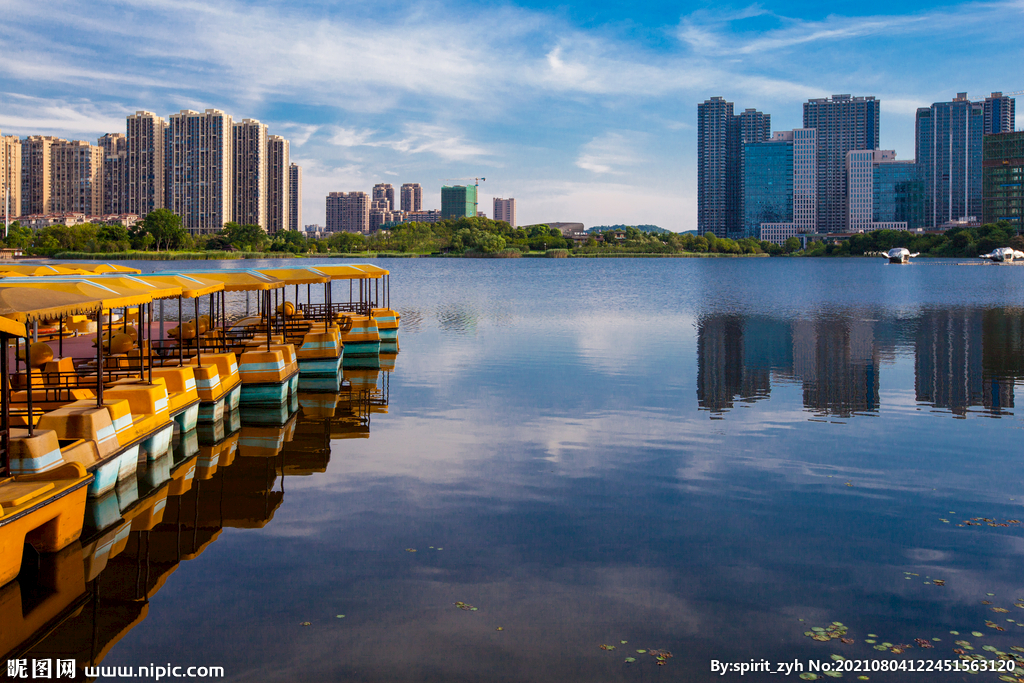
(583, 111)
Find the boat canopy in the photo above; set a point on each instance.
(191, 287)
(353, 271)
(100, 268)
(243, 280)
(157, 290)
(297, 276)
(24, 270)
(107, 296)
(20, 305)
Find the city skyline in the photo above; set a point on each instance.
(582, 113)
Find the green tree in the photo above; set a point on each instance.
(792, 244)
(165, 228)
(18, 236)
(246, 237)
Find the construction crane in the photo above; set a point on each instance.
(476, 180)
(1003, 94)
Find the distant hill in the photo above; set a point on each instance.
(641, 228)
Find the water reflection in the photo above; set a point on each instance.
(81, 602)
(963, 359)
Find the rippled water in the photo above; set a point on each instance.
(707, 456)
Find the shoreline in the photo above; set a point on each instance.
(239, 256)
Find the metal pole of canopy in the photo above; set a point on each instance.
(247, 303)
(60, 339)
(28, 373)
(223, 311)
(99, 357)
(199, 360)
(181, 336)
(5, 410)
(266, 298)
(35, 331)
(161, 319)
(149, 350)
(308, 290)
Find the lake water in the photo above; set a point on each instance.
(705, 456)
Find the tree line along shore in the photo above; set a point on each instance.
(160, 236)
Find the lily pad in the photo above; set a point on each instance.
(872, 635)
(607, 647)
(340, 616)
(808, 676)
(410, 550)
(837, 658)
(630, 660)
(977, 634)
(833, 674)
(870, 641)
(305, 623)
(623, 642)
(641, 652)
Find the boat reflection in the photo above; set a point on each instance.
(964, 359)
(79, 603)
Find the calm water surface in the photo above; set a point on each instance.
(706, 456)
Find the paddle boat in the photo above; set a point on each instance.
(900, 255)
(1003, 255)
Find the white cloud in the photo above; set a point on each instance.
(609, 152)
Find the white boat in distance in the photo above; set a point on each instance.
(900, 255)
(1003, 255)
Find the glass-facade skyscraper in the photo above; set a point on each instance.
(1003, 179)
(898, 194)
(767, 185)
(949, 154)
(458, 201)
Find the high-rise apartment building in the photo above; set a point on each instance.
(385, 192)
(202, 169)
(412, 197)
(949, 154)
(999, 113)
(348, 212)
(843, 123)
(278, 184)
(147, 163)
(294, 196)
(505, 210)
(771, 189)
(112, 144)
(1003, 179)
(718, 189)
(860, 189)
(250, 155)
(458, 201)
(720, 140)
(380, 213)
(115, 173)
(76, 177)
(36, 175)
(10, 177)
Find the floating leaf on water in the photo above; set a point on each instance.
(986, 602)
(833, 674)
(1001, 610)
(990, 594)
(939, 582)
(623, 642)
(821, 638)
(1011, 679)
(886, 644)
(837, 658)
(955, 633)
(607, 647)
(630, 660)
(440, 548)
(990, 648)
(928, 582)
(641, 652)
(837, 623)
(1017, 648)
(410, 550)
(977, 634)
(936, 640)
(306, 623)
(472, 609)
(848, 641)
(340, 616)
(500, 628)
(872, 635)
(870, 641)
(817, 628)
(907, 578)
(897, 650)
(863, 678)
(881, 648)
(962, 643)
(808, 676)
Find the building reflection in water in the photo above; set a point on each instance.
(963, 359)
(835, 359)
(79, 603)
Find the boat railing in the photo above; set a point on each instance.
(318, 311)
